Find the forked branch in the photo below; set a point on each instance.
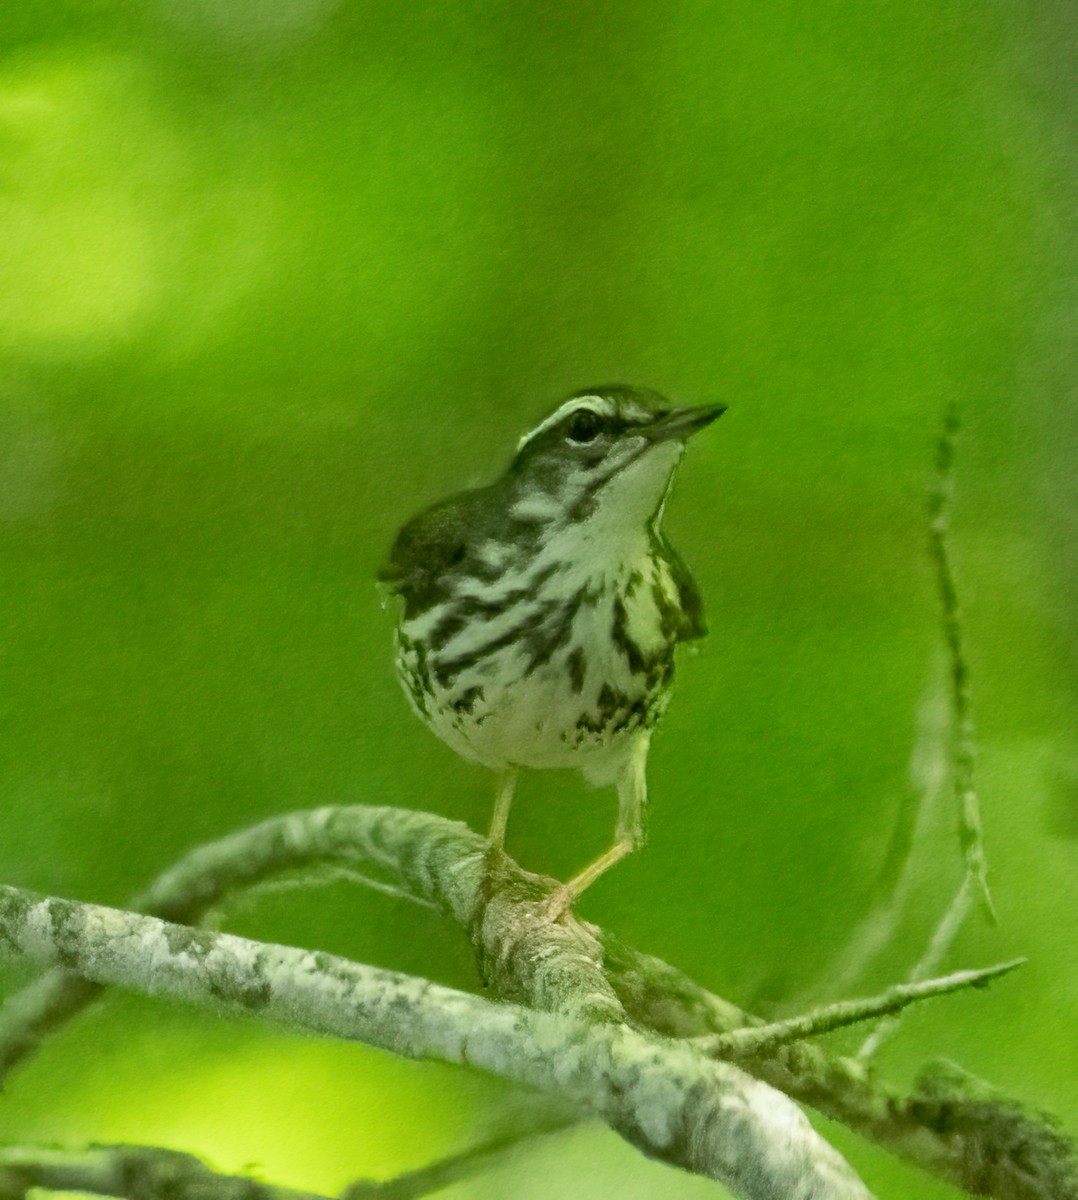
(583, 974)
(665, 1097)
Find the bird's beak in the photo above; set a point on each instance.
(682, 423)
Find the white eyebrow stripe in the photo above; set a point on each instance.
(599, 403)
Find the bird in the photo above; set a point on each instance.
(540, 613)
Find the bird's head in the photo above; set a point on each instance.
(607, 452)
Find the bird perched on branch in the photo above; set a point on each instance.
(541, 612)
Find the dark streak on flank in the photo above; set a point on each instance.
(585, 723)
(619, 633)
(467, 609)
(574, 664)
(639, 712)
(660, 672)
(446, 670)
(554, 632)
(467, 700)
(615, 712)
(609, 701)
(690, 607)
(670, 618)
(415, 672)
(544, 628)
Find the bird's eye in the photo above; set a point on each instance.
(584, 426)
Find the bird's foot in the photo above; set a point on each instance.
(558, 905)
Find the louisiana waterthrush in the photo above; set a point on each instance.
(541, 612)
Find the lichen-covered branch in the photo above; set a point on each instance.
(666, 1098)
(984, 1143)
(991, 1148)
(556, 968)
(129, 1172)
(41, 1008)
(153, 1172)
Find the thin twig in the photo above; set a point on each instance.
(302, 880)
(454, 1167)
(195, 889)
(964, 736)
(929, 769)
(829, 1017)
(939, 947)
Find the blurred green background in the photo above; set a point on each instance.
(275, 273)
